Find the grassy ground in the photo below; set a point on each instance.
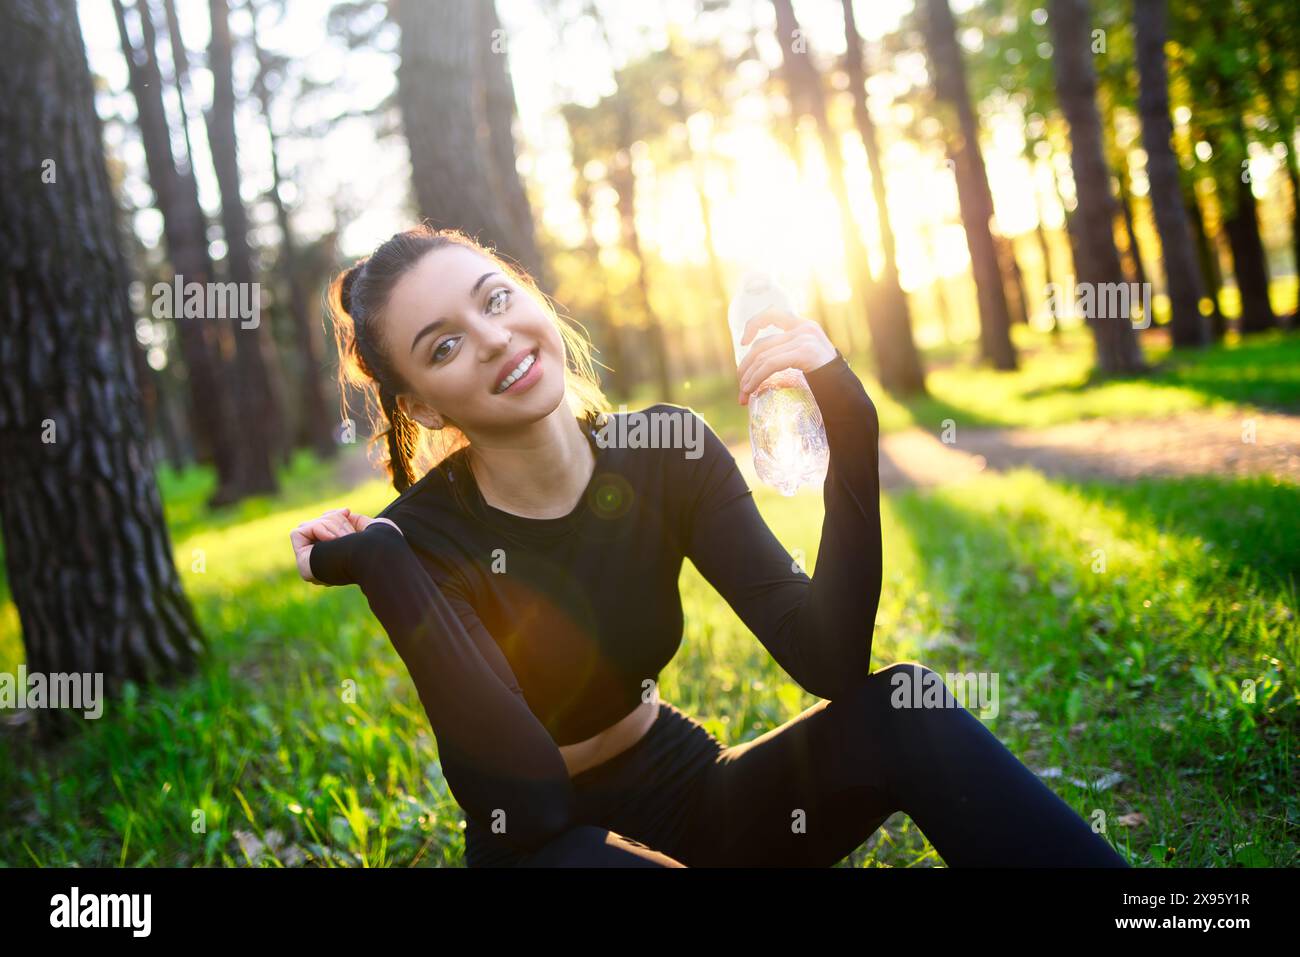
(1174, 666)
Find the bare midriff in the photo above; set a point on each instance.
(614, 740)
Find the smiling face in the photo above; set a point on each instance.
(456, 330)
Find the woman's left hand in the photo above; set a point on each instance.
(803, 346)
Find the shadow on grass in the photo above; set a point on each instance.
(1250, 522)
(1262, 370)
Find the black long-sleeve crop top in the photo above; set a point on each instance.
(524, 634)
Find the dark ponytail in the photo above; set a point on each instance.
(403, 437)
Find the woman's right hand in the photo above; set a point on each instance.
(333, 524)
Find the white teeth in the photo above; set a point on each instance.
(520, 369)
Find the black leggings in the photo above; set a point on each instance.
(806, 794)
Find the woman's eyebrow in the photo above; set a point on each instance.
(437, 323)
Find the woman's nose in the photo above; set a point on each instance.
(497, 336)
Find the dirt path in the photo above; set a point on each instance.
(1192, 443)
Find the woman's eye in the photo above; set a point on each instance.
(497, 303)
(502, 296)
(438, 355)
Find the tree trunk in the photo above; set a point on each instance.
(843, 338)
(1139, 271)
(1097, 258)
(1228, 141)
(1249, 265)
(440, 91)
(180, 76)
(804, 85)
(937, 286)
(1276, 39)
(177, 439)
(211, 409)
(88, 556)
(499, 109)
(1014, 280)
(1117, 160)
(620, 374)
(973, 194)
(315, 425)
(720, 332)
(620, 377)
(260, 412)
(720, 335)
(1286, 126)
(157, 416)
(1206, 256)
(1241, 223)
(907, 374)
(1187, 326)
(1071, 229)
(1240, 227)
(1044, 251)
(624, 182)
(897, 365)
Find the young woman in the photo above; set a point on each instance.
(527, 575)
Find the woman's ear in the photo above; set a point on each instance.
(419, 411)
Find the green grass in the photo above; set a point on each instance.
(1138, 670)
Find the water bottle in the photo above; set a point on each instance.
(786, 431)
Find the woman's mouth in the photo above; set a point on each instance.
(522, 376)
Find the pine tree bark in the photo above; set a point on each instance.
(1228, 141)
(907, 374)
(897, 362)
(1207, 244)
(1275, 30)
(720, 333)
(211, 408)
(457, 161)
(1240, 227)
(1187, 326)
(1044, 252)
(1097, 259)
(623, 179)
(1208, 261)
(87, 551)
(973, 194)
(613, 333)
(1138, 269)
(256, 397)
(804, 86)
(1013, 279)
(315, 425)
(1249, 264)
(500, 113)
